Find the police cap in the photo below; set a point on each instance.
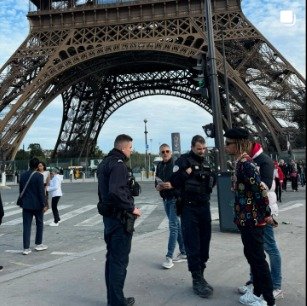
(237, 133)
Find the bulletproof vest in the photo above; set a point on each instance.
(200, 181)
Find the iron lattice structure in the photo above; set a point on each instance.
(98, 55)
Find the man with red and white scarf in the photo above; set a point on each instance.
(265, 164)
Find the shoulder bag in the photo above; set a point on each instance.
(19, 200)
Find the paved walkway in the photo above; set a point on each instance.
(79, 279)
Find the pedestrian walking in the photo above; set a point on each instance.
(284, 168)
(293, 175)
(194, 179)
(33, 201)
(279, 179)
(252, 213)
(301, 167)
(55, 190)
(71, 174)
(116, 204)
(169, 195)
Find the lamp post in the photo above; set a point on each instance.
(226, 81)
(149, 156)
(214, 89)
(146, 149)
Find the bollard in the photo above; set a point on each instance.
(143, 174)
(3, 179)
(83, 176)
(95, 177)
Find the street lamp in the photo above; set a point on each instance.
(214, 90)
(146, 148)
(226, 81)
(149, 156)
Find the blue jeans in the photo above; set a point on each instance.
(174, 228)
(271, 249)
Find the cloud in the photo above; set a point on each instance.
(165, 114)
(289, 41)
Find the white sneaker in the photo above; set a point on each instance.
(259, 303)
(180, 258)
(54, 224)
(168, 263)
(245, 288)
(249, 298)
(41, 247)
(26, 251)
(278, 294)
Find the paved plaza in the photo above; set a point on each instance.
(71, 271)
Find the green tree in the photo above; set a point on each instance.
(36, 151)
(22, 155)
(97, 153)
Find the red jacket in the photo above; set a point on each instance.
(281, 175)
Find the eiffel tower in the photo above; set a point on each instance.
(98, 55)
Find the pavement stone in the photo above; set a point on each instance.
(79, 279)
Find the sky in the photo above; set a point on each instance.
(282, 23)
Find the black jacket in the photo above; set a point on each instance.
(180, 178)
(266, 168)
(113, 182)
(34, 195)
(164, 172)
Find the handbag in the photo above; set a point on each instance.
(19, 200)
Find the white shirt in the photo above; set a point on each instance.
(46, 174)
(54, 187)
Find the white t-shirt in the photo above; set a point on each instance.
(46, 174)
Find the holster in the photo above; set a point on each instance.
(128, 220)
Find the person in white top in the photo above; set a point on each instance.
(55, 191)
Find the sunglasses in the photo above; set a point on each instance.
(166, 151)
(227, 143)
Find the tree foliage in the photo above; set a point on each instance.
(22, 155)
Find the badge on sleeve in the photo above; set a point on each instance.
(176, 168)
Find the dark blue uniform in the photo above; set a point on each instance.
(195, 216)
(115, 200)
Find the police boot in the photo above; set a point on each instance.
(199, 287)
(204, 280)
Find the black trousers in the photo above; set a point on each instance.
(294, 182)
(196, 231)
(278, 190)
(252, 238)
(54, 206)
(118, 242)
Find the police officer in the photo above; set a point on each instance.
(116, 204)
(193, 177)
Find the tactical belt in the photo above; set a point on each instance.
(196, 203)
